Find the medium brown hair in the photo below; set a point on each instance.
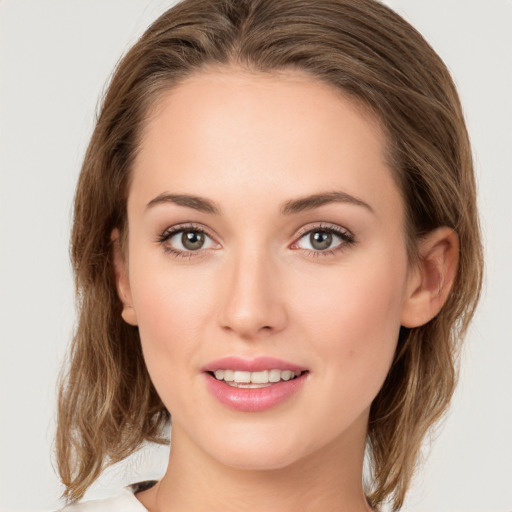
(107, 403)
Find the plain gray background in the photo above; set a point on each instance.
(55, 57)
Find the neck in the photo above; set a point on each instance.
(328, 480)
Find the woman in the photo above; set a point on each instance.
(276, 246)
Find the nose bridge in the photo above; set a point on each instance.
(252, 302)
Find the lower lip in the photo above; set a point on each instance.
(254, 399)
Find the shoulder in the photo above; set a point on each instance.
(123, 501)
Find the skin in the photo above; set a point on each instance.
(250, 143)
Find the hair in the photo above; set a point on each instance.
(107, 405)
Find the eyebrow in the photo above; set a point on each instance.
(317, 200)
(197, 203)
(289, 207)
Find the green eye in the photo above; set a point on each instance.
(324, 239)
(192, 240)
(320, 240)
(186, 240)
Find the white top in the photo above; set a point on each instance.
(123, 501)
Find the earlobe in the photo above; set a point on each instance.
(431, 280)
(122, 282)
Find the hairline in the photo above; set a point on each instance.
(294, 72)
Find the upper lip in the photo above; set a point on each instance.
(256, 364)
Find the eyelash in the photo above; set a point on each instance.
(177, 253)
(347, 238)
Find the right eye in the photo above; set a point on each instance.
(184, 241)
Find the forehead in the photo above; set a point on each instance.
(225, 89)
(243, 132)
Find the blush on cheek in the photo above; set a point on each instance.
(361, 326)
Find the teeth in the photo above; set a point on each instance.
(242, 377)
(286, 375)
(257, 378)
(274, 375)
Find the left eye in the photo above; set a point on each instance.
(189, 240)
(321, 240)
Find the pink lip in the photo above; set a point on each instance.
(251, 365)
(253, 399)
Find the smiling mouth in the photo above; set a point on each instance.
(252, 380)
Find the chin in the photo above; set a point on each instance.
(255, 452)
(257, 460)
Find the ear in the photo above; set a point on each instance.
(122, 281)
(431, 279)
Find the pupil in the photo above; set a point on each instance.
(320, 240)
(192, 240)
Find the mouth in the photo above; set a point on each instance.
(254, 385)
(255, 380)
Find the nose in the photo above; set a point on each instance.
(252, 304)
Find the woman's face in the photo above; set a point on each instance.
(266, 240)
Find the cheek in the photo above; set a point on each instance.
(172, 307)
(354, 324)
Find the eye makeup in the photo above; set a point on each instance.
(190, 240)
